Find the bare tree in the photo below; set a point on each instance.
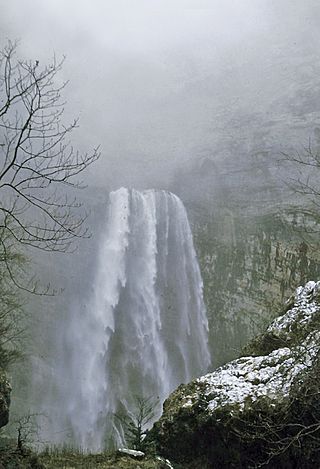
(302, 169)
(36, 160)
(27, 431)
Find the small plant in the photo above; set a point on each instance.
(135, 423)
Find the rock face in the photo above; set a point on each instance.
(5, 390)
(248, 227)
(250, 235)
(246, 280)
(260, 409)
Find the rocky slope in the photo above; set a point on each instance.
(260, 410)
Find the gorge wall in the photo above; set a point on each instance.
(247, 280)
(251, 242)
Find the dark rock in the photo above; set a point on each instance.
(252, 410)
(5, 390)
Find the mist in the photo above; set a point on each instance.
(158, 85)
(194, 98)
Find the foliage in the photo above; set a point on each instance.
(135, 423)
(68, 457)
(12, 458)
(11, 303)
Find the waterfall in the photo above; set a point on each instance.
(145, 329)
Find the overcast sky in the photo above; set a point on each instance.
(150, 80)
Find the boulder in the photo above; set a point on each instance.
(259, 410)
(132, 453)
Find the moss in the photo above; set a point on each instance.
(77, 460)
(264, 344)
(5, 390)
(11, 458)
(233, 439)
(279, 430)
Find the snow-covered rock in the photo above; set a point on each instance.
(132, 453)
(208, 421)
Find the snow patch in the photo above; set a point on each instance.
(303, 312)
(247, 379)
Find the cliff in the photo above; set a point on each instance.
(249, 267)
(259, 410)
(251, 236)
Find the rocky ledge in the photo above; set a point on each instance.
(261, 410)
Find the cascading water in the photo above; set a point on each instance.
(145, 330)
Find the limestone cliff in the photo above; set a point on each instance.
(247, 274)
(249, 234)
(260, 410)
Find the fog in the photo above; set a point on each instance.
(163, 86)
(166, 87)
(157, 84)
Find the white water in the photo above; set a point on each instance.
(145, 329)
